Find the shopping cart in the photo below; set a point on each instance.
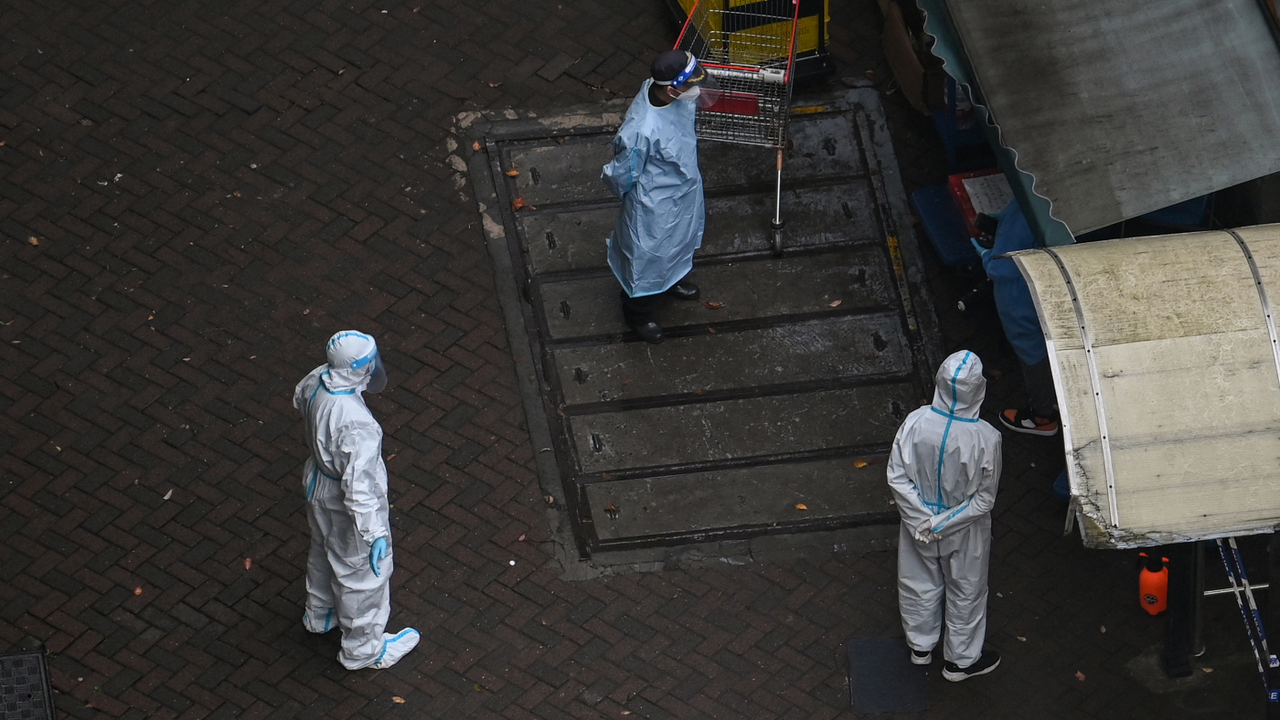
(750, 49)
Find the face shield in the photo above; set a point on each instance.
(694, 84)
(378, 380)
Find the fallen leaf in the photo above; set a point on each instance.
(520, 539)
(137, 590)
(248, 563)
(1080, 676)
(711, 330)
(1104, 628)
(701, 391)
(397, 699)
(712, 305)
(801, 506)
(495, 84)
(392, 456)
(168, 495)
(1020, 638)
(478, 687)
(626, 712)
(33, 240)
(550, 500)
(513, 172)
(860, 463)
(518, 204)
(834, 303)
(610, 507)
(1207, 669)
(236, 193)
(476, 146)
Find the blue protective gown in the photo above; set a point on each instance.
(943, 470)
(655, 173)
(1013, 299)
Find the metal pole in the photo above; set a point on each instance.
(775, 227)
(1197, 610)
(1177, 662)
(1273, 621)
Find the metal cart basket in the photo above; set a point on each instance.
(750, 48)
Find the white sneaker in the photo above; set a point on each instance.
(395, 647)
(921, 657)
(321, 623)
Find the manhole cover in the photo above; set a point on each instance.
(24, 688)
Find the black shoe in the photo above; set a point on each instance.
(989, 661)
(1025, 421)
(650, 332)
(684, 290)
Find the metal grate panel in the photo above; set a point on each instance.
(24, 688)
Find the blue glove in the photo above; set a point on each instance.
(377, 552)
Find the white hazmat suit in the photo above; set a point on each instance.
(943, 471)
(350, 564)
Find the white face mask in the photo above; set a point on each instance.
(691, 94)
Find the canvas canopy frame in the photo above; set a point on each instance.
(1166, 362)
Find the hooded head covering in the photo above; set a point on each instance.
(352, 357)
(959, 386)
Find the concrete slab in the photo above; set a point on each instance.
(571, 239)
(811, 351)
(760, 288)
(780, 390)
(762, 497)
(693, 433)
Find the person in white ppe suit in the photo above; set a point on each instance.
(655, 174)
(350, 564)
(943, 471)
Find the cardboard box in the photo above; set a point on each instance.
(918, 72)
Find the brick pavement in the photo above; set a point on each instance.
(194, 196)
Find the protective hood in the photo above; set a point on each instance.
(352, 357)
(959, 386)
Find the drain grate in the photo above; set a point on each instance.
(24, 688)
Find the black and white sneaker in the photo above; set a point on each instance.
(921, 657)
(989, 661)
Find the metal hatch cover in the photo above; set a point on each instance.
(763, 422)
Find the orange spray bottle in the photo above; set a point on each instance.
(1153, 584)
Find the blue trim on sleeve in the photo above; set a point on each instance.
(953, 515)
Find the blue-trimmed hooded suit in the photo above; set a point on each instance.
(944, 470)
(345, 481)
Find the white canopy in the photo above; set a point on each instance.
(1167, 367)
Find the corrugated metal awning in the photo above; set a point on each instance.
(1119, 109)
(1166, 362)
